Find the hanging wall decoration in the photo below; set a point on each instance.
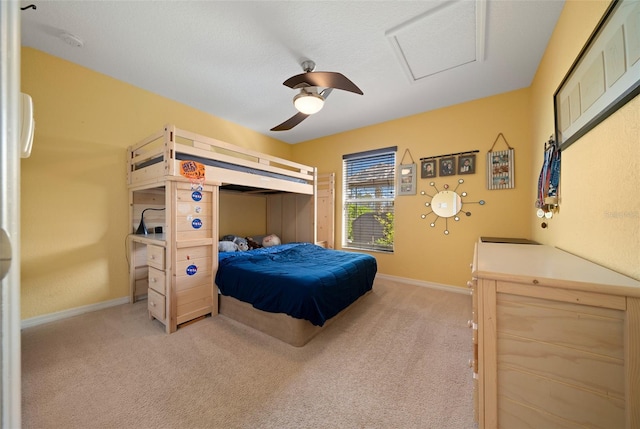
(446, 203)
(428, 168)
(500, 168)
(604, 77)
(467, 164)
(407, 176)
(549, 181)
(445, 165)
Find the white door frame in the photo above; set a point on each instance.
(10, 211)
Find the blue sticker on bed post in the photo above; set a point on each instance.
(196, 223)
(192, 270)
(196, 196)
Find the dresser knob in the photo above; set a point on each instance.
(471, 363)
(153, 304)
(469, 284)
(470, 323)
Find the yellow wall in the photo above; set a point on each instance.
(243, 215)
(74, 208)
(599, 216)
(425, 253)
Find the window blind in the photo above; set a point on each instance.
(368, 199)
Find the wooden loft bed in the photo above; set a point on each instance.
(157, 159)
(175, 264)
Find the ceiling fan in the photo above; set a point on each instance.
(309, 101)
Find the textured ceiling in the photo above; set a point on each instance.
(229, 58)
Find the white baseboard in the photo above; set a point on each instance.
(65, 314)
(422, 283)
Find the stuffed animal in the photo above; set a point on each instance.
(271, 240)
(240, 242)
(252, 243)
(227, 246)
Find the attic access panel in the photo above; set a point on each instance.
(447, 36)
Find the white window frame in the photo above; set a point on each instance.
(380, 184)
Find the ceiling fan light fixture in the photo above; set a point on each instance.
(308, 102)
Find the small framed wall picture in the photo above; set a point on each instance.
(407, 179)
(428, 168)
(447, 166)
(467, 164)
(500, 169)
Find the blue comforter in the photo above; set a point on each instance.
(300, 279)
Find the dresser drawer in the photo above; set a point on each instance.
(155, 256)
(156, 305)
(157, 280)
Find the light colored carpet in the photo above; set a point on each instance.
(396, 359)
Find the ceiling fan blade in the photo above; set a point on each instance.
(291, 122)
(322, 79)
(326, 92)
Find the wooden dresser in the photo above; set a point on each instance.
(556, 340)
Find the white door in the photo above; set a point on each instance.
(10, 213)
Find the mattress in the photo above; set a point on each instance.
(221, 164)
(302, 280)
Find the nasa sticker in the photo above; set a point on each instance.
(196, 196)
(192, 270)
(196, 223)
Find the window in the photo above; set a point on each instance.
(368, 196)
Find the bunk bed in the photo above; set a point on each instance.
(160, 156)
(175, 178)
